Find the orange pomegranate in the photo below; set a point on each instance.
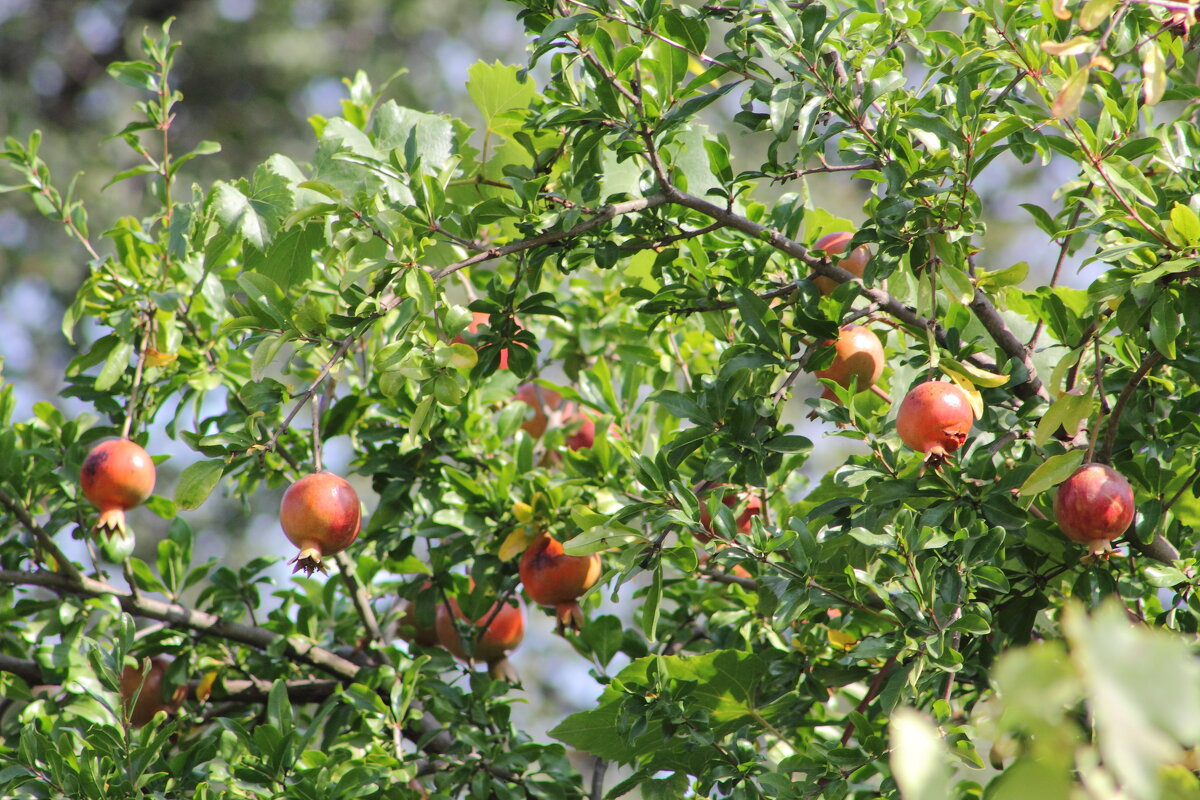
(116, 476)
(835, 244)
(553, 578)
(935, 418)
(492, 646)
(543, 401)
(149, 692)
(859, 355)
(320, 514)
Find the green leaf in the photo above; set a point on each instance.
(1066, 412)
(240, 215)
(497, 88)
(1154, 72)
(114, 366)
(957, 284)
(1051, 472)
(1186, 223)
(1094, 13)
(1164, 325)
(196, 483)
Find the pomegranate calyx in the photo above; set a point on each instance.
(569, 616)
(111, 521)
(309, 560)
(502, 669)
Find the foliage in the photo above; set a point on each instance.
(883, 630)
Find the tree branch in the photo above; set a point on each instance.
(1110, 435)
(45, 541)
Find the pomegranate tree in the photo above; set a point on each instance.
(935, 418)
(1094, 506)
(553, 578)
(859, 354)
(320, 514)
(116, 476)
(505, 630)
(835, 244)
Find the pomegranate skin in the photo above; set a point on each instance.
(479, 318)
(116, 476)
(501, 637)
(150, 699)
(935, 418)
(835, 244)
(859, 355)
(320, 514)
(1094, 506)
(582, 437)
(553, 578)
(732, 500)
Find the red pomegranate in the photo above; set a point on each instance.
(859, 355)
(149, 693)
(320, 514)
(751, 509)
(1094, 506)
(835, 244)
(116, 476)
(543, 401)
(479, 318)
(411, 630)
(493, 645)
(935, 418)
(553, 578)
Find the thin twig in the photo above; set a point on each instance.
(1110, 435)
(362, 602)
(45, 541)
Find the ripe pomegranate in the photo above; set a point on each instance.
(859, 355)
(116, 476)
(835, 244)
(492, 646)
(411, 630)
(753, 507)
(553, 578)
(479, 318)
(149, 699)
(581, 426)
(320, 514)
(935, 418)
(1094, 506)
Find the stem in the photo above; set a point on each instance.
(1110, 436)
(131, 405)
(362, 602)
(63, 564)
(1062, 257)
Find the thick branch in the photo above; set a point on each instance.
(989, 315)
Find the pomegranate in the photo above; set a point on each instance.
(834, 244)
(752, 508)
(553, 578)
(320, 514)
(581, 426)
(859, 355)
(116, 476)
(411, 630)
(149, 692)
(935, 418)
(479, 318)
(1094, 506)
(492, 646)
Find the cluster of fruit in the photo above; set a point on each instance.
(1094, 506)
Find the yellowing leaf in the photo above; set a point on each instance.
(515, 543)
(1072, 47)
(1060, 9)
(204, 687)
(1154, 73)
(841, 639)
(522, 511)
(1067, 101)
(1102, 61)
(977, 376)
(964, 383)
(1095, 12)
